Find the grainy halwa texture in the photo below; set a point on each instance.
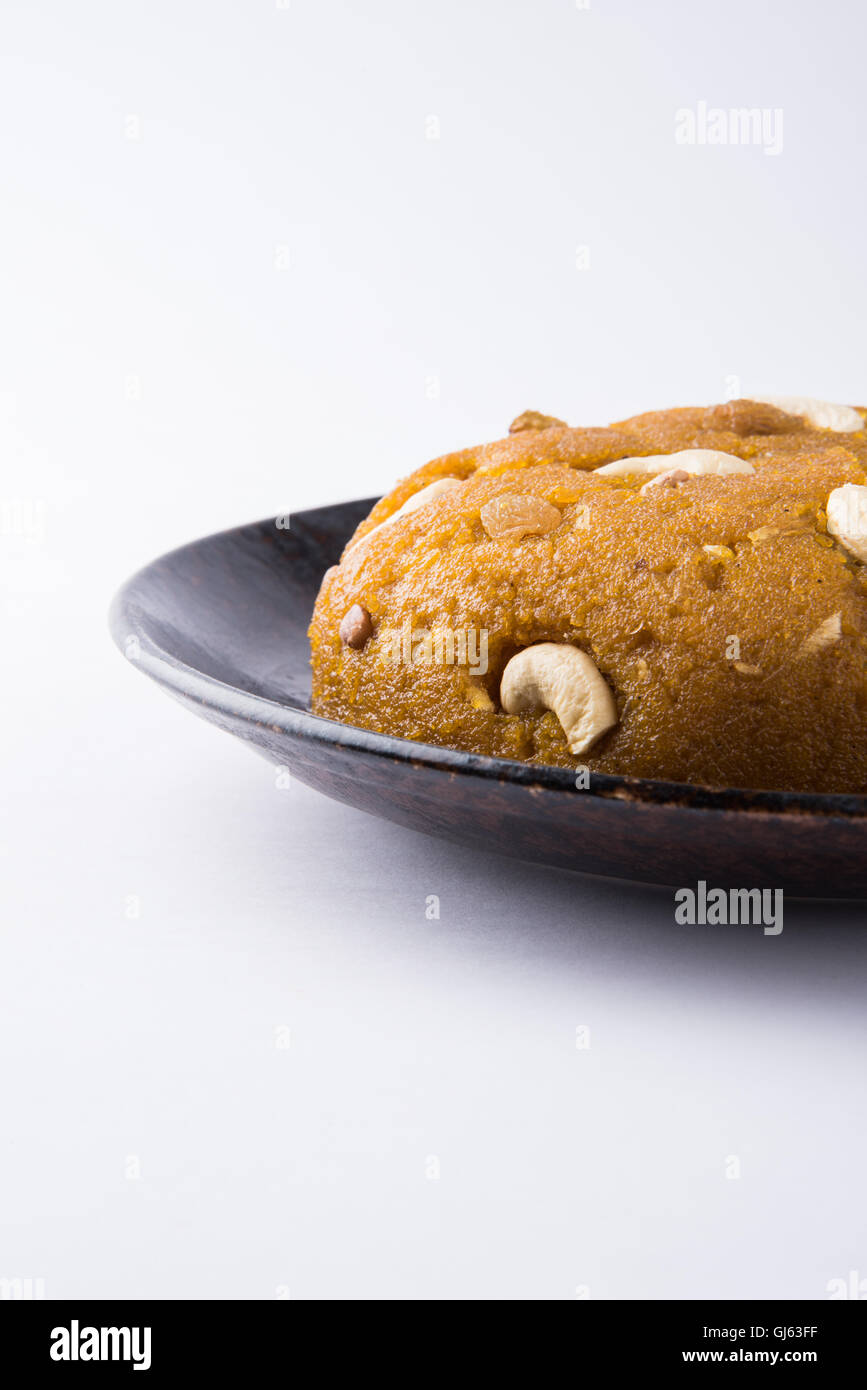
(704, 650)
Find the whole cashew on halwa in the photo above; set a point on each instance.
(563, 679)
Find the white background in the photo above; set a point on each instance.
(238, 278)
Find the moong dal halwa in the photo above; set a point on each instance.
(681, 596)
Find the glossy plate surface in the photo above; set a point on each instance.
(222, 625)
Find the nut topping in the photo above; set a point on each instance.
(670, 478)
(412, 504)
(695, 462)
(356, 628)
(561, 678)
(825, 635)
(822, 415)
(847, 518)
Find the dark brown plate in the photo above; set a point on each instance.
(222, 625)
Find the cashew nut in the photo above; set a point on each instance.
(563, 679)
(418, 499)
(847, 518)
(825, 635)
(695, 462)
(670, 478)
(824, 415)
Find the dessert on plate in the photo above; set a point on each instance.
(681, 595)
